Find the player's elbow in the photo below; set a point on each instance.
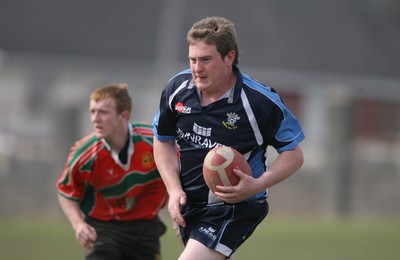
(299, 156)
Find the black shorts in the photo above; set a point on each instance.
(133, 240)
(224, 227)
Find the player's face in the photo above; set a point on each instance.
(210, 71)
(104, 117)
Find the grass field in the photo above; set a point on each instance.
(42, 239)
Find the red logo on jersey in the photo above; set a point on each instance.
(181, 108)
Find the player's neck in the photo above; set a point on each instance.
(208, 97)
(118, 140)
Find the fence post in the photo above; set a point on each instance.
(340, 150)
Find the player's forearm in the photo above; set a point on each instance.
(71, 211)
(167, 163)
(285, 165)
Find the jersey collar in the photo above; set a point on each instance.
(232, 94)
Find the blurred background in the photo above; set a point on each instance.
(336, 64)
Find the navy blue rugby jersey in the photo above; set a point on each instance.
(249, 118)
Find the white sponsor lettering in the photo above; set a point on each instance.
(197, 140)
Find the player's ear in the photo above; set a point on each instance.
(230, 57)
(125, 115)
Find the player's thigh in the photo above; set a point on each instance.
(194, 250)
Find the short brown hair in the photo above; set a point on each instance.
(218, 31)
(117, 91)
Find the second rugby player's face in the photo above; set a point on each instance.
(104, 117)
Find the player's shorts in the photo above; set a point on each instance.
(133, 240)
(224, 227)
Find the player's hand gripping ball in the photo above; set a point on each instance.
(219, 164)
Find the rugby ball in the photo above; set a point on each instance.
(219, 164)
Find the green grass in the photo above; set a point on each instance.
(42, 239)
(305, 239)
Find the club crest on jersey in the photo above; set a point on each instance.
(147, 159)
(181, 108)
(231, 120)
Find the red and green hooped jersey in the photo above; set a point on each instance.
(105, 188)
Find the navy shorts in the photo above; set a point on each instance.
(120, 240)
(224, 227)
